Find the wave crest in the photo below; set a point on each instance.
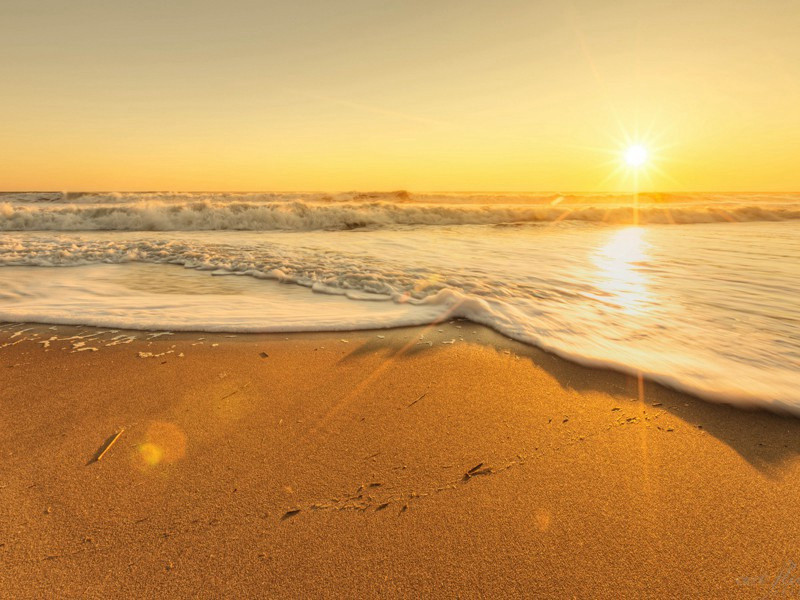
(302, 215)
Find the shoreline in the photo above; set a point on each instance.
(482, 466)
(740, 400)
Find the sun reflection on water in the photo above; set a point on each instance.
(621, 278)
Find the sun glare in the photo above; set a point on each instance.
(636, 156)
(621, 278)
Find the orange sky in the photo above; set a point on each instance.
(435, 95)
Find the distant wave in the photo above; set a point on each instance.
(398, 196)
(218, 197)
(299, 215)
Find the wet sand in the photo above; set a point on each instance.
(376, 463)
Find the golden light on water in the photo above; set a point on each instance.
(621, 279)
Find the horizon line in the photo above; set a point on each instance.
(388, 191)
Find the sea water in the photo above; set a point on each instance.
(699, 292)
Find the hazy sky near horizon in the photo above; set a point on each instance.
(368, 94)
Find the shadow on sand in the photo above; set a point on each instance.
(766, 440)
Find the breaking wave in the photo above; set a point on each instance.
(181, 213)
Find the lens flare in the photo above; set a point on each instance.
(164, 443)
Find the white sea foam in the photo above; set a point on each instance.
(140, 296)
(709, 309)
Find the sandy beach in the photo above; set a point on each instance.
(442, 461)
(353, 299)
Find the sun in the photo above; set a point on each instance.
(636, 155)
(635, 159)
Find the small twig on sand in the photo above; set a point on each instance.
(417, 400)
(236, 391)
(475, 468)
(107, 446)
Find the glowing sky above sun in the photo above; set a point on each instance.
(433, 95)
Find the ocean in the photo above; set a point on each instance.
(696, 291)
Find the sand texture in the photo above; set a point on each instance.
(444, 461)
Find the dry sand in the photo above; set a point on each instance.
(584, 482)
